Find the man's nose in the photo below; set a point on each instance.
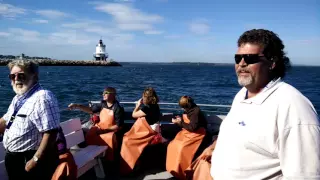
(242, 63)
(16, 77)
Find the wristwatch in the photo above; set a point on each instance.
(35, 158)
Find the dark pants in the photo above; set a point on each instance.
(15, 165)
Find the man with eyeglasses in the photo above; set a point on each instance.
(107, 128)
(272, 130)
(30, 125)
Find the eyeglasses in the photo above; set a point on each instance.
(107, 92)
(20, 76)
(248, 58)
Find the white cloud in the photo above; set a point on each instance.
(52, 14)
(66, 37)
(127, 14)
(134, 27)
(24, 35)
(199, 27)
(4, 34)
(9, 11)
(40, 21)
(71, 37)
(153, 32)
(77, 25)
(93, 30)
(128, 17)
(99, 30)
(90, 26)
(173, 36)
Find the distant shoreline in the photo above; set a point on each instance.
(51, 62)
(180, 63)
(205, 63)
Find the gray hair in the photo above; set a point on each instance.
(28, 66)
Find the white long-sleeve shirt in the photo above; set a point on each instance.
(274, 135)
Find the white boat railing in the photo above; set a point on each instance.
(209, 108)
(165, 103)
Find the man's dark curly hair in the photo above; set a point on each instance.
(273, 49)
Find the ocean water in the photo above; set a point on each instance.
(206, 83)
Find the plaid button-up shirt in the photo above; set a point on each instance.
(38, 114)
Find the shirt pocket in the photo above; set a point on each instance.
(262, 139)
(21, 124)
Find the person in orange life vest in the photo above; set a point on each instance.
(183, 147)
(200, 168)
(107, 130)
(147, 113)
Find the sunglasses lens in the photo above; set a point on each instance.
(252, 59)
(237, 58)
(12, 76)
(21, 76)
(248, 58)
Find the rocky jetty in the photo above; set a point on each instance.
(51, 62)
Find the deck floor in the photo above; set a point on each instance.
(145, 175)
(148, 170)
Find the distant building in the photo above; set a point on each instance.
(21, 56)
(100, 54)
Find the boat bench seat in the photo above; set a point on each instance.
(85, 158)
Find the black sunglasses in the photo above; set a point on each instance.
(248, 58)
(107, 92)
(20, 76)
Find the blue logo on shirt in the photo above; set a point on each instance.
(242, 123)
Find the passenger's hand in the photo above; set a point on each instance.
(139, 102)
(72, 106)
(30, 165)
(176, 120)
(206, 154)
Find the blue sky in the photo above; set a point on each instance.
(156, 30)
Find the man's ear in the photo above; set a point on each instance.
(273, 66)
(36, 76)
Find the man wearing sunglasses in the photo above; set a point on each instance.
(30, 125)
(272, 130)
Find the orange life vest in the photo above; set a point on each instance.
(182, 149)
(107, 139)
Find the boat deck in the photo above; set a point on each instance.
(145, 175)
(152, 166)
(153, 158)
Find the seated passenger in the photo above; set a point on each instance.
(200, 168)
(183, 147)
(107, 129)
(147, 113)
(67, 168)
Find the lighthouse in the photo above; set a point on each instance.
(100, 54)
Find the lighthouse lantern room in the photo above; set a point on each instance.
(100, 54)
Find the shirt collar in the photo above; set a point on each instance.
(264, 94)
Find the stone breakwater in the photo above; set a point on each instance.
(51, 62)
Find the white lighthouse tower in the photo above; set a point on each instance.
(100, 54)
